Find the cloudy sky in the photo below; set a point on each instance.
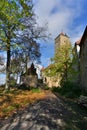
(68, 16)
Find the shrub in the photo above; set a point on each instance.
(23, 87)
(46, 88)
(8, 109)
(70, 90)
(36, 90)
(16, 105)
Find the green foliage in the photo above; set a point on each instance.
(8, 109)
(11, 108)
(50, 70)
(70, 90)
(46, 88)
(23, 87)
(19, 32)
(63, 60)
(16, 105)
(36, 90)
(74, 68)
(65, 64)
(11, 14)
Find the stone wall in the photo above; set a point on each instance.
(51, 81)
(30, 77)
(61, 40)
(30, 80)
(83, 65)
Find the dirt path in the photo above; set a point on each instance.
(51, 113)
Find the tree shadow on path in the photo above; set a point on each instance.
(51, 113)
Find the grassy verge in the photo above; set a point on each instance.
(17, 99)
(36, 90)
(70, 90)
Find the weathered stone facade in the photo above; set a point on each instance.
(51, 81)
(83, 60)
(61, 39)
(30, 78)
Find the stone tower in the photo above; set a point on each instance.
(60, 40)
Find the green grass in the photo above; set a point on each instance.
(16, 105)
(8, 109)
(36, 90)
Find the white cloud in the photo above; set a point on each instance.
(78, 32)
(60, 14)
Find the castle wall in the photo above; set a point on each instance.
(61, 40)
(83, 65)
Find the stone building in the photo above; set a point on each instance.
(83, 60)
(54, 81)
(50, 81)
(30, 78)
(61, 39)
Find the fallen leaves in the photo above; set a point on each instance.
(17, 99)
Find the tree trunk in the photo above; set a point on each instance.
(66, 72)
(7, 87)
(26, 64)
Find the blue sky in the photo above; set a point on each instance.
(68, 16)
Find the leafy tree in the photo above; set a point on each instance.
(28, 48)
(30, 37)
(1, 60)
(62, 63)
(11, 13)
(63, 60)
(2, 64)
(19, 33)
(21, 58)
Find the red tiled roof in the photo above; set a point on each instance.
(78, 42)
(42, 69)
(63, 34)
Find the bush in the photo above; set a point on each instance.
(70, 90)
(8, 109)
(23, 87)
(36, 90)
(46, 88)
